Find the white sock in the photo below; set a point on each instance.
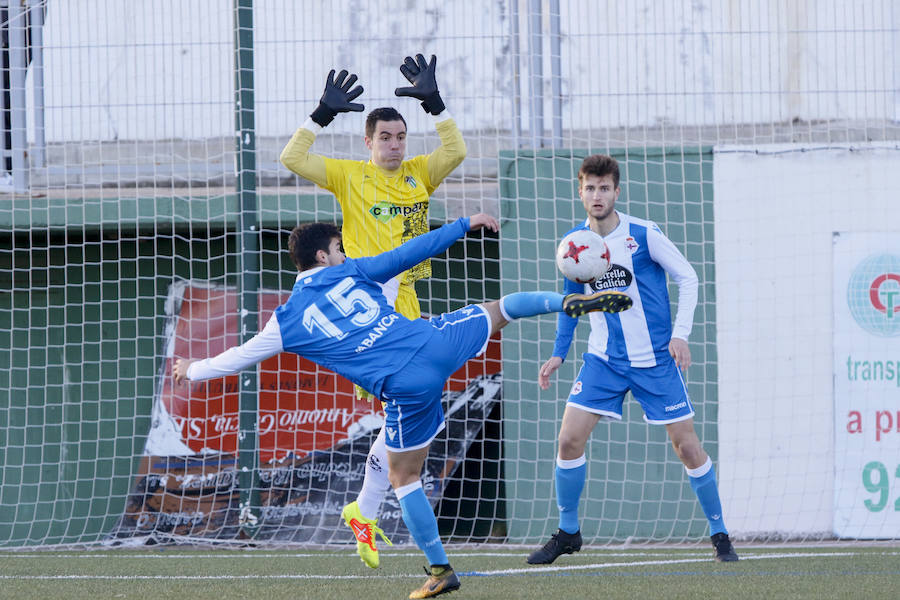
(375, 483)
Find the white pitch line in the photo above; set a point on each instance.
(202, 577)
(647, 563)
(352, 555)
(522, 571)
(347, 554)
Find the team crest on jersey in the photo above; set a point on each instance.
(411, 181)
(631, 245)
(576, 389)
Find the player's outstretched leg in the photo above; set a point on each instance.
(529, 304)
(610, 301)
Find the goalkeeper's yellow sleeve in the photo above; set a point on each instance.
(297, 157)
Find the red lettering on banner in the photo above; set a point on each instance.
(884, 423)
(854, 422)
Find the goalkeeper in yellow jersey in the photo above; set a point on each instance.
(384, 202)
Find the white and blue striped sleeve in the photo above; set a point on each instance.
(664, 252)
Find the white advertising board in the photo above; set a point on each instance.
(867, 385)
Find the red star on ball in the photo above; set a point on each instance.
(574, 251)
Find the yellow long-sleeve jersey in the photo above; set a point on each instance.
(381, 209)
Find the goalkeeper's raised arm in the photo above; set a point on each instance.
(338, 97)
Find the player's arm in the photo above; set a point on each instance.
(421, 74)
(337, 98)
(664, 252)
(565, 325)
(449, 154)
(565, 330)
(393, 262)
(258, 348)
(297, 158)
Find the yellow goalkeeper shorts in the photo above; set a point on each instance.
(407, 303)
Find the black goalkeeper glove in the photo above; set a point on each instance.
(337, 98)
(424, 87)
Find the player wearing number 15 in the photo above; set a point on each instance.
(384, 202)
(338, 316)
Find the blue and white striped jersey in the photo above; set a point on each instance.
(640, 257)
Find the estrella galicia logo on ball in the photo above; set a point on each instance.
(873, 295)
(616, 278)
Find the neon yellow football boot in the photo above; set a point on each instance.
(364, 530)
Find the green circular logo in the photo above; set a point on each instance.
(873, 295)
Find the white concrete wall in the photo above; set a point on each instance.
(163, 69)
(776, 208)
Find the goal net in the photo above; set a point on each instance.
(144, 217)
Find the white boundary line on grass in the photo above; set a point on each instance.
(347, 554)
(521, 571)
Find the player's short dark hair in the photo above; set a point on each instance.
(599, 165)
(309, 238)
(385, 113)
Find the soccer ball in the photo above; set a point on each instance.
(582, 256)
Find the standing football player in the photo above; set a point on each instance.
(638, 350)
(338, 316)
(384, 202)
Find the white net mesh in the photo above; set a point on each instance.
(749, 131)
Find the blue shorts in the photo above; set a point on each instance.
(600, 389)
(412, 397)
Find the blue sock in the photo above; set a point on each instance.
(703, 481)
(570, 475)
(421, 522)
(529, 304)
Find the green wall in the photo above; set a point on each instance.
(83, 285)
(636, 486)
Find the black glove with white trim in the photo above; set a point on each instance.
(424, 87)
(337, 98)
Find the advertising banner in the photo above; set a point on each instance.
(867, 385)
(314, 436)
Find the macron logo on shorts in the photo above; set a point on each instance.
(391, 432)
(675, 407)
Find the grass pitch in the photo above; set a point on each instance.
(794, 571)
